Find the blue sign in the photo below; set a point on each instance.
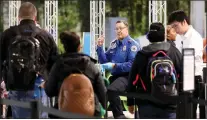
(86, 43)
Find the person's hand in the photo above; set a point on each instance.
(100, 41)
(108, 66)
(42, 85)
(131, 109)
(171, 34)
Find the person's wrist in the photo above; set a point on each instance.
(114, 65)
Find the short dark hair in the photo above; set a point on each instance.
(124, 22)
(156, 32)
(178, 16)
(27, 10)
(70, 41)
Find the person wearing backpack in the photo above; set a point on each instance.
(72, 62)
(26, 52)
(155, 71)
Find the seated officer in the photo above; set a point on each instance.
(118, 59)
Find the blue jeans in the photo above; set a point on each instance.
(24, 96)
(151, 112)
(46, 102)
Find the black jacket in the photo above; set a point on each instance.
(86, 65)
(48, 50)
(171, 42)
(140, 65)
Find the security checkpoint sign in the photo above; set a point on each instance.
(188, 69)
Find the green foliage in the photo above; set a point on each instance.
(68, 18)
(74, 15)
(60, 47)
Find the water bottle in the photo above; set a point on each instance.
(37, 88)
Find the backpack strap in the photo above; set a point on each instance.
(34, 31)
(137, 79)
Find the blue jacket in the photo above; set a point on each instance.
(122, 53)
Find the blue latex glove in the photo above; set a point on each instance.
(108, 66)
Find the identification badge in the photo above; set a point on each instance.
(124, 48)
(134, 48)
(113, 46)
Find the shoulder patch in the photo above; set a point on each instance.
(112, 44)
(133, 48)
(113, 41)
(129, 41)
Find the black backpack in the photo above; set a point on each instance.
(162, 75)
(23, 58)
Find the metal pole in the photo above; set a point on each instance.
(34, 109)
(188, 111)
(205, 85)
(106, 107)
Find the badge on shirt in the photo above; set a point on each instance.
(124, 48)
(134, 48)
(113, 45)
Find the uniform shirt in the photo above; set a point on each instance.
(192, 39)
(122, 53)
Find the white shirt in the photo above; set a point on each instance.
(192, 39)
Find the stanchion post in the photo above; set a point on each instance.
(205, 84)
(188, 112)
(106, 107)
(34, 109)
(188, 81)
(136, 114)
(1, 108)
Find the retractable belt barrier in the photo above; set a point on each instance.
(36, 106)
(170, 100)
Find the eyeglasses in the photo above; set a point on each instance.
(121, 28)
(174, 25)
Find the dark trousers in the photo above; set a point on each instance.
(200, 94)
(152, 112)
(118, 83)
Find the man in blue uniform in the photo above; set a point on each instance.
(118, 59)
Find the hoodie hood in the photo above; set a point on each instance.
(78, 57)
(154, 47)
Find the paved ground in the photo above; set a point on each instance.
(131, 116)
(126, 113)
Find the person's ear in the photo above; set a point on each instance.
(80, 48)
(184, 22)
